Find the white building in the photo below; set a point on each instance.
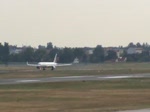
(15, 50)
(88, 50)
(134, 50)
(76, 60)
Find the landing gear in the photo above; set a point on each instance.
(52, 68)
(40, 68)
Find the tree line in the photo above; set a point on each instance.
(67, 54)
(4, 53)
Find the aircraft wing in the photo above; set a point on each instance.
(59, 64)
(32, 64)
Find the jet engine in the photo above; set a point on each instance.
(38, 67)
(53, 67)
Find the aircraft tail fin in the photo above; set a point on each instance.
(27, 63)
(55, 58)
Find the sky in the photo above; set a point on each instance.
(74, 23)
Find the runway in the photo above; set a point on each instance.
(71, 78)
(143, 110)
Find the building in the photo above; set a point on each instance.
(121, 59)
(134, 50)
(41, 47)
(15, 50)
(119, 51)
(88, 50)
(76, 60)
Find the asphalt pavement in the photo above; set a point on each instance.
(70, 78)
(142, 110)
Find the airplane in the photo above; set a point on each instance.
(52, 65)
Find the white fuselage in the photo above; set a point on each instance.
(47, 64)
(52, 65)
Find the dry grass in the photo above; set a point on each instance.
(72, 101)
(81, 69)
(88, 96)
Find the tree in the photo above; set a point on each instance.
(49, 46)
(98, 55)
(131, 44)
(66, 55)
(39, 55)
(5, 53)
(138, 45)
(85, 58)
(111, 55)
(50, 55)
(79, 53)
(1, 52)
(28, 54)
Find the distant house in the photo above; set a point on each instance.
(15, 50)
(121, 59)
(41, 47)
(134, 50)
(119, 51)
(76, 60)
(88, 50)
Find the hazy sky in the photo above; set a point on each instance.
(74, 23)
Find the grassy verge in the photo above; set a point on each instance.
(81, 69)
(82, 96)
(88, 96)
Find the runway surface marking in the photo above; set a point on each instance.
(142, 110)
(71, 78)
(117, 77)
(27, 80)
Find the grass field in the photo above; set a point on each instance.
(83, 96)
(81, 69)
